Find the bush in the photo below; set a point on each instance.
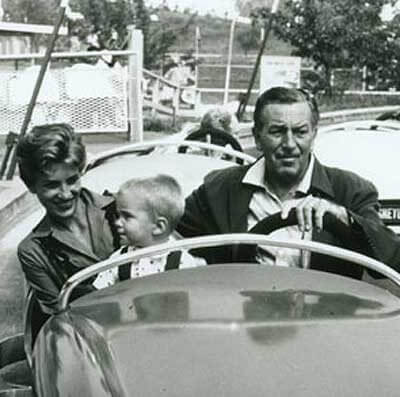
(162, 124)
(354, 101)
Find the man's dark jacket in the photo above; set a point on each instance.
(221, 204)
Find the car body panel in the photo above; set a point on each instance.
(228, 330)
(188, 169)
(374, 156)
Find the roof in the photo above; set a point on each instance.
(30, 28)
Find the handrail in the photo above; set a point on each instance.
(218, 240)
(70, 54)
(169, 83)
(137, 147)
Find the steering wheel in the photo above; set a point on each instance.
(217, 137)
(274, 222)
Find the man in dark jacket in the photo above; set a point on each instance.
(287, 176)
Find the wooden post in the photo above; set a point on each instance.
(364, 79)
(135, 96)
(155, 97)
(175, 102)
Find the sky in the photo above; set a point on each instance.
(219, 7)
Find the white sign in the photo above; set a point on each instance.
(279, 71)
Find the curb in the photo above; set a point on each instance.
(16, 201)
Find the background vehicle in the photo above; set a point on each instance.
(391, 115)
(369, 152)
(362, 125)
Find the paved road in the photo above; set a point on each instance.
(12, 289)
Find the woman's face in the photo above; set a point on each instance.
(58, 189)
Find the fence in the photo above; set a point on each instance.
(92, 97)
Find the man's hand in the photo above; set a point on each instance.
(310, 212)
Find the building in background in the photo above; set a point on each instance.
(18, 38)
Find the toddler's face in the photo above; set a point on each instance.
(135, 224)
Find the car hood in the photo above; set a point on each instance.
(244, 330)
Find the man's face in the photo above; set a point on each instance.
(58, 189)
(285, 138)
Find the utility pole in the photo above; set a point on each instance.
(38, 84)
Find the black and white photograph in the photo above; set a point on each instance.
(199, 198)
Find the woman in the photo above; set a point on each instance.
(77, 229)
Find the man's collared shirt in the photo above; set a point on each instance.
(265, 203)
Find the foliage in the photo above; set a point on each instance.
(160, 124)
(249, 39)
(335, 33)
(107, 21)
(164, 34)
(246, 7)
(30, 11)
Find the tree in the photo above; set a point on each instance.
(30, 11)
(109, 22)
(106, 20)
(161, 37)
(249, 39)
(246, 7)
(334, 33)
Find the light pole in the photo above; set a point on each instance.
(230, 49)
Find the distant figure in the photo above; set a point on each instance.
(218, 119)
(216, 127)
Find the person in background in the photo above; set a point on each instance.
(218, 119)
(77, 228)
(148, 211)
(286, 176)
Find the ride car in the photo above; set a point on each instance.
(390, 115)
(107, 172)
(370, 149)
(232, 329)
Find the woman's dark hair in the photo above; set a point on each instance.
(284, 95)
(45, 145)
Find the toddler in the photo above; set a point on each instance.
(148, 210)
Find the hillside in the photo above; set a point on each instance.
(215, 37)
(214, 42)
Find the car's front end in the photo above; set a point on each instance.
(229, 330)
